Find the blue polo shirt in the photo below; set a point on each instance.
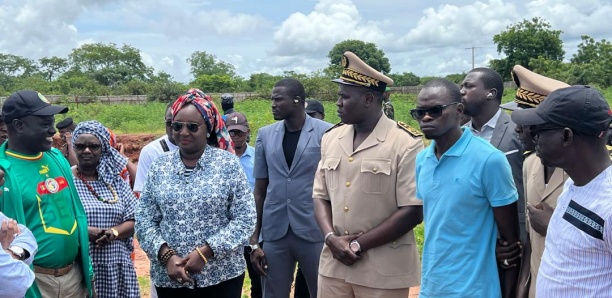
(247, 161)
(459, 192)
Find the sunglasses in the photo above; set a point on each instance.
(237, 133)
(168, 123)
(433, 112)
(192, 127)
(92, 147)
(535, 132)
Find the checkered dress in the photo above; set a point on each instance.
(115, 275)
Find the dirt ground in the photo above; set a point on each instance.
(133, 143)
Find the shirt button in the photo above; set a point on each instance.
(350, 159)
(346, 209)
(374, 170)
(346, 232)
(289, 201)
(289, 179)
(348, 184)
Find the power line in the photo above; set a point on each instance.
(473, 50)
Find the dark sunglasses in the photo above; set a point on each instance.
(433, 112)
(192, 127)
(92, 147)
(237, 133)
(168, 123)
(535, 132)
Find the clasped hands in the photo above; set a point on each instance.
(100, 237)
(8, 231)
(180, 269)
(340, 248)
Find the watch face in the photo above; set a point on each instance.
(355, 247)
(18, 251)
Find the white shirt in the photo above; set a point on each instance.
(577, 260)
(147, 155)
(486, 131)
(16, 277)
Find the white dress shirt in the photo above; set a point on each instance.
(486, 131)
(16, 277)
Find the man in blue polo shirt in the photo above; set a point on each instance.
(468, 197)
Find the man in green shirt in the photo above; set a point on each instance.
(39, 193)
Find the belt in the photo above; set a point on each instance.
(57, 272)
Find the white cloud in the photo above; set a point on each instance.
(331, 22)
(456, 26)
(575, 18)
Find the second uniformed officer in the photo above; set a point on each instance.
(364, 193)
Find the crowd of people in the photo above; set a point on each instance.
(514, 197)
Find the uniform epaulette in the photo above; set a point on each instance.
(337, 125)
(413, 132)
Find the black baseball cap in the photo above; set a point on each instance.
(314, 106)
(64, 123)
(581, 108)
(27, 102)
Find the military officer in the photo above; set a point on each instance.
(364, 193)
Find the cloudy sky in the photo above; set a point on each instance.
(424, 37)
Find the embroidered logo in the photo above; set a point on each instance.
(584, 219)
(51, 185)
(44, 170)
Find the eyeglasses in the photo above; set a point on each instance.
(535, 132)
(92, 147)
(236, 133)
(433, 112)
(192, 127)
(168, 123)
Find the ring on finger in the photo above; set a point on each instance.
(180, 280)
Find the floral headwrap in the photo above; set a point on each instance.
(111, 162)
(214, 123)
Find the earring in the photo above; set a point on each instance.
(296, 101)
(207, 135)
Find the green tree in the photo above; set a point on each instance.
(163, 88)
(405, 79)
(593, 62)
(262, 83)
(203, 63)
(52, 67)
(367, 51)
(456, 78)
(14, 66)
(525, 40)
(213, 83)
(108, 64)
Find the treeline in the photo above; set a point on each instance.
(108, 69)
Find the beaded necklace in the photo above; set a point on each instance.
(93, 191)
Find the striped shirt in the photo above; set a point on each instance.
(577, 260)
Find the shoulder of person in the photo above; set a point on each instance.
(334, 127)
(415, 133)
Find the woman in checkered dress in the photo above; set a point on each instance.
(110, 205)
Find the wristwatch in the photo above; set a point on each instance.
(355, 247)
(251, 248)
(18, 252)
(115, 232)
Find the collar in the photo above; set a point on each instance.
(170, 145)
(250, 151)
(456, 150)
(176, 156)
(491, 123)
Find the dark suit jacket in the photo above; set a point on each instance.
(506, 140)
(289, 194)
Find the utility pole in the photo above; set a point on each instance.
(473, 50)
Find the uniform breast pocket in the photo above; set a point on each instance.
(375, 175)
(332, 174)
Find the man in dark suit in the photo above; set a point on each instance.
(286, 157)
(482, 90)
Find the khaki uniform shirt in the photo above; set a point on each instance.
(365, 187)
(537, 192)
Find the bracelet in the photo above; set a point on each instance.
(166, 256)
(327, 236)
(202, 255)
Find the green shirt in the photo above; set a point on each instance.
(47, 207)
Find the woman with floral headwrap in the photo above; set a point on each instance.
(110, 206)
(196, 211)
